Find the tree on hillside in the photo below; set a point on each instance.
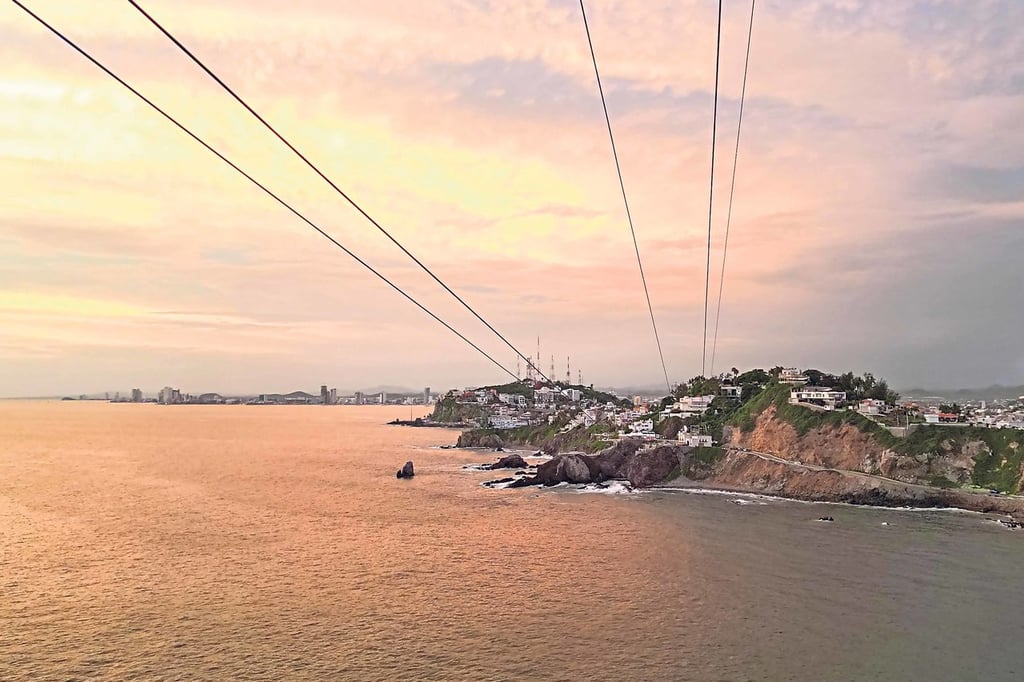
(702, 386)
(754, 376)
(818, 378)
(748, 391)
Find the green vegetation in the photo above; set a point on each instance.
(801, 418)
(669, 428)
(512, 388)
(940, 481)
(857, 387)
(745, 417)
(448, 410)
(707, 455)
(701, 460)
(996, 466)
(547, 437)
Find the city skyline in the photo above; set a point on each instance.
(877, 222)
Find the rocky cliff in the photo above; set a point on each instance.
(942, 456)
(745, 471)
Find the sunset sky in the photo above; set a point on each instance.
(878, 221)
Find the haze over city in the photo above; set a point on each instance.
(877, 221)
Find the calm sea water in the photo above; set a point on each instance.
(148, 542)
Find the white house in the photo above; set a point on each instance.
(507, 422)
(791, 375)
(872, 407)
(697, 404)
(641, 429)
(573, 394)
(827, 398)
(544, 394)
(731, 391)
(695, 440)
(515, 399)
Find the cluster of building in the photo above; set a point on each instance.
(538, 404)
(327, 396)
(997, 414)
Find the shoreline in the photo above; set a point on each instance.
(742, 472)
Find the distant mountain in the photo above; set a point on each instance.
(647, 391)
(294, 395)
(996, 392)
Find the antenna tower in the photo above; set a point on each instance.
(537, 366)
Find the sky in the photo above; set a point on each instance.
(877, 225)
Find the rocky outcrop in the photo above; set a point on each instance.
(406, 471)
(513, 461)
(626, 459)
(479, 438)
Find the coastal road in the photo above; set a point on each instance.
(847, 472)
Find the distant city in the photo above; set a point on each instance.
(327, 396)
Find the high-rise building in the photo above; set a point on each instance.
(324, 395)
(426, 395)
(383, 397)
(334, 396)
(359, 398)
(136, 395)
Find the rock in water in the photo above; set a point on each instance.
(512, 461)
(406, 471)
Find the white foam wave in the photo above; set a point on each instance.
(610, 488)
(476, 467)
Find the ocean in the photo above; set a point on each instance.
(152, 542)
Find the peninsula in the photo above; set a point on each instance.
(806, 435)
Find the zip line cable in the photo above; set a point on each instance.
(711, 192)
(625, 201)
(732, 188)
(330, 182)
(251, 179)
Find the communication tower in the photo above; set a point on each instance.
(537, 366)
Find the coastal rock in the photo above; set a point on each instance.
(576, 469)
(476, 439)
(406, 471)
(624, 460)
(513, 461)
(653, 465)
